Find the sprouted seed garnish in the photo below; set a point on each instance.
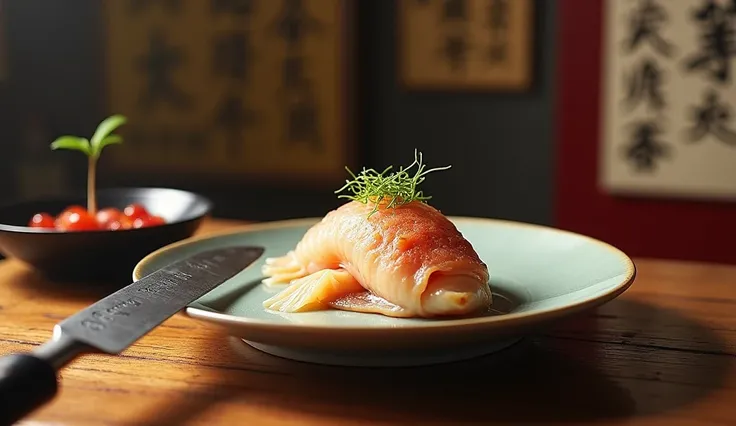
(393, 190)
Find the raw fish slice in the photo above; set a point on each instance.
(410, 257)
(314, 292)
(282, 270)
(334, 288)
(369, 303)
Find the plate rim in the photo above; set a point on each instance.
(508, 320)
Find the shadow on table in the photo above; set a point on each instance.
(575, 379)
(89, 292)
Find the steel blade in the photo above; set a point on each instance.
(117, 321)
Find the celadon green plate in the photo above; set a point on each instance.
(538, 274)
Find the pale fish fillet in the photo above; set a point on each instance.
(407, 261)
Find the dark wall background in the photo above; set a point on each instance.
(500, 145)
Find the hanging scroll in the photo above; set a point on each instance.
(668, 98)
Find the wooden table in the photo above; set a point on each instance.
(661, 354)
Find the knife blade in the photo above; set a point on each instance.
(112, 324)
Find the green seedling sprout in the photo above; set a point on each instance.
(377, 187)
(92, 149)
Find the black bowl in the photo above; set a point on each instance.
(103, 254)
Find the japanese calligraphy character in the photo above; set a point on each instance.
(644, 149)
(158, 65)
(167, 139)
(712, 118)
(646, 82)
(234, 118)
(232, 55)
(302, 119)
(717, 39)
(455, 51)
(195, 141)
(645, 24)
(294, 22)
(242, 8)
(498, 24)
(454, 10)
(292, 72)
(137, 6)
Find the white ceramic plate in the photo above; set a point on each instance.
(538, 274)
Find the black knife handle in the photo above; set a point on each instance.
(26, 383)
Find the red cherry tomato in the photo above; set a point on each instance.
(61, 219)
(74, 209)
(135, 211)
(148, 221)
(120, 224)
(108, 215)
(77, 222)
(41, 220)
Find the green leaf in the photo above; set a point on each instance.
(107, 126)
(73, 143)
(109, 140)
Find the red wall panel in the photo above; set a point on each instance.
(641, 227)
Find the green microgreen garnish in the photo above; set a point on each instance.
(399, 187)
(92, 149)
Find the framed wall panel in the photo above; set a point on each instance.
(237, 90)
(466, 44)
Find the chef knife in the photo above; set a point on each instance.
(28, 380)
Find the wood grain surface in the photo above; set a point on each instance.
(661, 354)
